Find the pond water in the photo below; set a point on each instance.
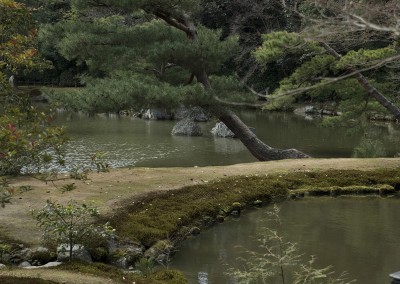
(136, 142)
(357, 235)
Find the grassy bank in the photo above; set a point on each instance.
(151, 206)
(176, 214)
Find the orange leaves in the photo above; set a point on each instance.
(11, 4)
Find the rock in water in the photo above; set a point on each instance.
(221, 130)
(187, 127)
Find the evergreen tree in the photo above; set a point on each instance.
(346, 65)
(153, 53)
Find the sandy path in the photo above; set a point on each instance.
(107, 190)
(59, 276)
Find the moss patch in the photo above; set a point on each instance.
(168, 214)
(171, 214)
(381, 189)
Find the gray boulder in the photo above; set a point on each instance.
(187, 127)
(41, 255)
(2, 266)
(121, 262)
(160, 252)
(79, 252)
(24, 254)
(127, 255)
(133, 253)
(221, 130)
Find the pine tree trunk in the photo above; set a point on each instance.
(257, 148)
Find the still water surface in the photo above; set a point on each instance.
(357, 235)
(135, 142)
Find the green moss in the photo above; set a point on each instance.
(236, 206)
(165, 215)
(163, 245)
(161, 215)
(98, 269)
(169, 276)
(381, 189)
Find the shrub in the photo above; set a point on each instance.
(71, 224)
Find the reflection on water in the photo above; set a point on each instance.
(357, 235)
(135, 142)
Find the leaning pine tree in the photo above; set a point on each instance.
(153, 53)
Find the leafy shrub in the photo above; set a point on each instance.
(71, 224)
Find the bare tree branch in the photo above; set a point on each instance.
(258, 94)
(337, 79)
(235, 104)
(363, 23)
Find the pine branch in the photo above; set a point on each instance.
(337, 79)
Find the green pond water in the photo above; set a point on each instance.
(357, 235)
(360, 236)
(136, 142)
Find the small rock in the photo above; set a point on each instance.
(161, 247)
(156, 114)
(21, 255)
(2, 266)
(187, 127)
(221, 130)
(235, 213)
(24, 264)
(162, 258)
(220, 218)
(47, 265)
(121, 263)
(40, 255)
(194, 231)
(78, 252)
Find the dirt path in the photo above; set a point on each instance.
(108, 190)
(58, 276)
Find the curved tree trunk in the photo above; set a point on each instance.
(256, 147)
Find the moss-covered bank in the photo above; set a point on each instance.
(174, 214)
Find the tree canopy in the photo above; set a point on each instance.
(215, 53)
